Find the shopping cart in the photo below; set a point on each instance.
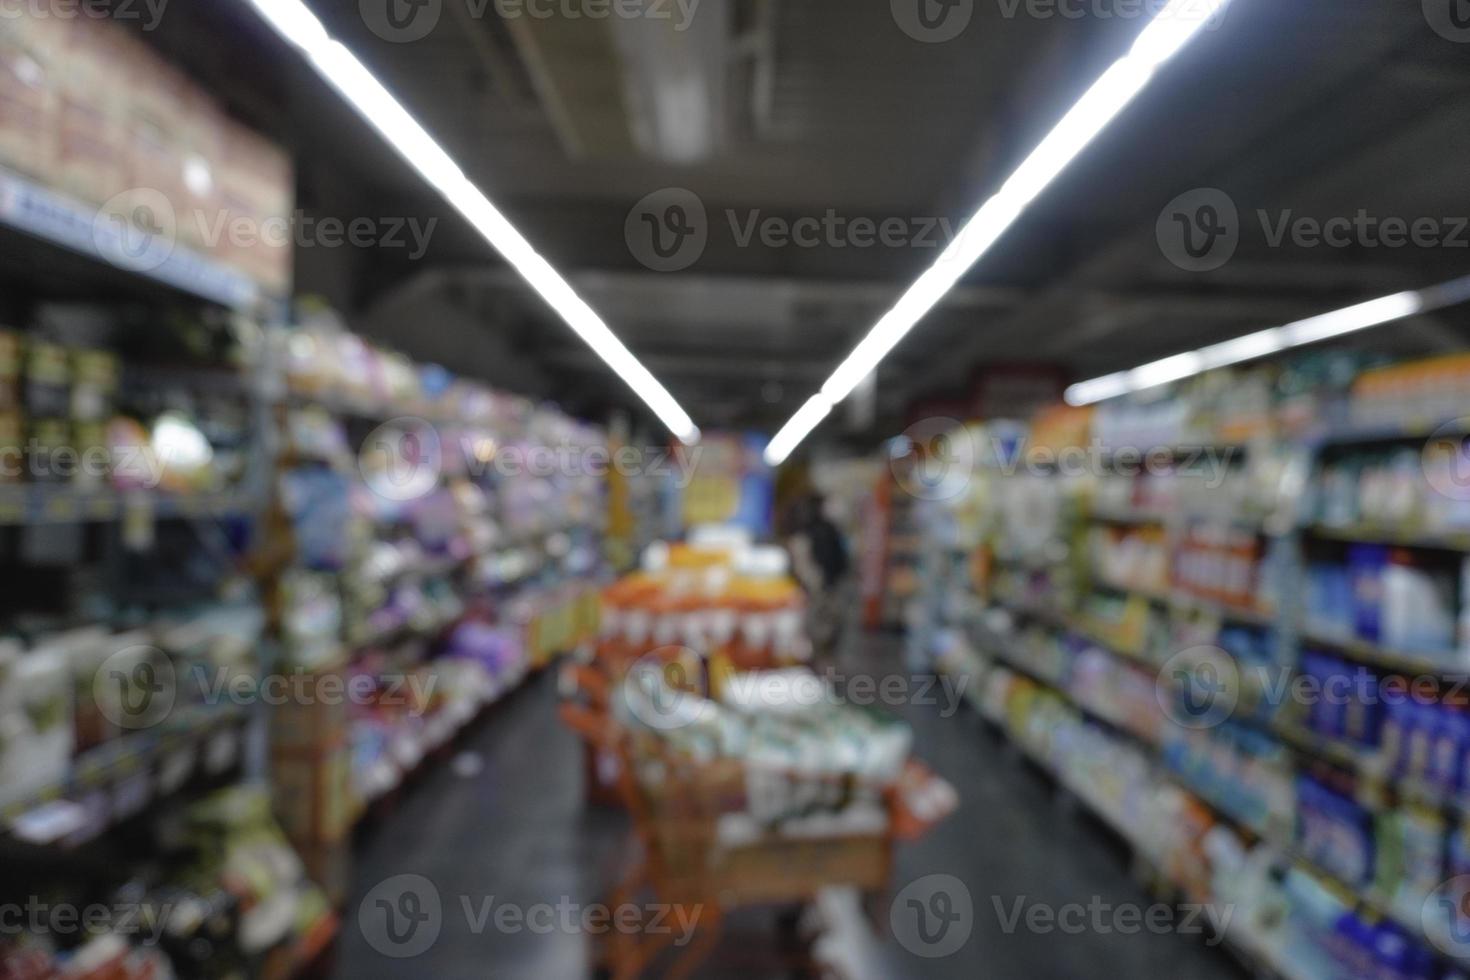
(706, 848)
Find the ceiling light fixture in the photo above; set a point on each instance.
(1165, 35)
(295, 22)
(807, 418)
(1273, 340)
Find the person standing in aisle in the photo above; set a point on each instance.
(820, 562)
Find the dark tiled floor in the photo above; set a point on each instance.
(517, 833)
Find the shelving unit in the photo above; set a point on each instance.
(1063, 593)
(61, 222)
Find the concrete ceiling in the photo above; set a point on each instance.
(811, 107)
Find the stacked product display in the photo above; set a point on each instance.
(392, 605)
(433, 563)
(91, 117)
(732, 605)
(705, 611)
(1250, 628)
(222, 894)
(258, 574)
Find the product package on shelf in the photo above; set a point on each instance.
(222, 891)
(735, 610)
(93, 113)
(1290, 537)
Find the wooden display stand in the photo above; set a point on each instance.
(311, 780)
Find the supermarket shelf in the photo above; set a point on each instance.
(1093, 714)
(310, 948)
(1366, 898)
(1370, 899)
(413, 747)
(140, 767)
(1135, 518)
(376, 412)
(1257, 955)
(1347, 756)
(402, 633)
(1184, 601)
(61, 504)
(1401, 537)
(1420, 428)
(1068, 624)
(1156, 596)
(1301, 740)
(68, 224)
(1225, 610)
(1373, 655)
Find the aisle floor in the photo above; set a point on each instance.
(517, 833)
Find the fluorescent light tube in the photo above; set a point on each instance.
(1353, 318)
(1263, 343)
(1165, 35)
(807, 418)
(295, 22)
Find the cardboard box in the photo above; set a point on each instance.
(30, 69)
(257, 184)
(94, 90)
(313, 796)
(329, 866)
(308, 729)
